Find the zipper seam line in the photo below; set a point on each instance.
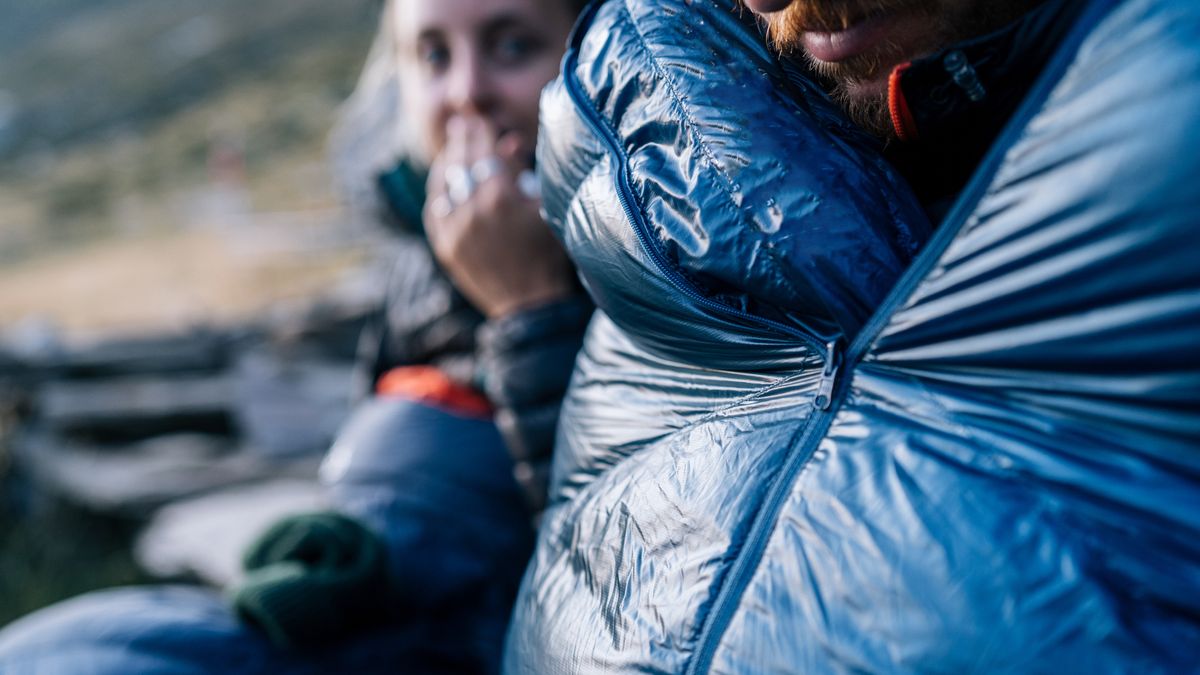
(750, 555)
(797, 459)
(624, 192)
(980, 181)
(801, 452)
(819, 423)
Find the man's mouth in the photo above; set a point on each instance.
(832, 46)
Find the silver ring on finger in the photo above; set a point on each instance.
(529, 184)
(441, 207)
(459, 184)
(485, 168)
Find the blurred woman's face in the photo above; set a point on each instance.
(484, 58)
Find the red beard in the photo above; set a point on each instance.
(784, 29)
(948, 21)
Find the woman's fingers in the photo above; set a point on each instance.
(489, 170)
(479, 180)
(455, 158)
(480, 139)
(470, 159)
(492, 241)
(455, 150)
(517, 153)
(437, 205)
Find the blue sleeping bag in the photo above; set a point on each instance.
(790, 447)
(436, 487)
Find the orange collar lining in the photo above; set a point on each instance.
(902, 119)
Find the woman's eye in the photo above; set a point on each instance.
(516, 48)
(433, 57)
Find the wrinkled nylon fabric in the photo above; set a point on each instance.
(1019, 450)
(680, 408)
(774, 206)
(1011, 480)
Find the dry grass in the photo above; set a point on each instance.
(163, 281)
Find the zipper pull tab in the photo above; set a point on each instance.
(964, 75)
(824, 397)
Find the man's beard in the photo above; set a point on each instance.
(845, 79)
(872, 113)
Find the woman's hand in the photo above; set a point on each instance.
(485, 230)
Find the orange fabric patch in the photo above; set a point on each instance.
(428, 385)
(902, 119)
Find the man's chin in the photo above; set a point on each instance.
(857, 91)
(860, 85)
(866, 103)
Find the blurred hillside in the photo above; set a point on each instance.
(163, 178)
(144, 121)
(76, 70)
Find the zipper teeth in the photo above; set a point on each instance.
(983, 176)
(624, 192)
(747, 560)
(727, 600)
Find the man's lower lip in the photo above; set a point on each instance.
(835, 46)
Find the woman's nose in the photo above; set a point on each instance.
(470, 90)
